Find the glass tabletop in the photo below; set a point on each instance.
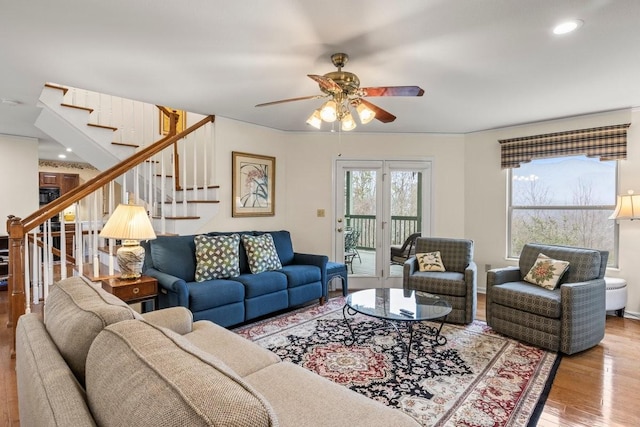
(398, 304)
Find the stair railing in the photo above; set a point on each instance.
(25, 234)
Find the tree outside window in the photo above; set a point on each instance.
(563, 201)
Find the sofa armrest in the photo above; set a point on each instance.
(178, 319)
(583, 315)
(171, 284)
(408, 268)
(317, 260)
(498, 276)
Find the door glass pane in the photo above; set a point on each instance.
(405, 216)
(360, 221)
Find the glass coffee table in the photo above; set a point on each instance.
(398, 307)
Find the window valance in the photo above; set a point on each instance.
(607, 142)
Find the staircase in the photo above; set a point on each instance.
(105, 130)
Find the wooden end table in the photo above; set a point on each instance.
(143, 289)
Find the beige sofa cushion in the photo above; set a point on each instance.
(75, 312)
(141, 375)
(301, 398)
(238, 353)
(48, 392)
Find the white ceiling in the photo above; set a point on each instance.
(483, 64)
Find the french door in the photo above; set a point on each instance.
(379, 203)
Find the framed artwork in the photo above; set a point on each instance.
(254, 192)
(164, 121)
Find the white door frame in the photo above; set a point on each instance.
(382, 277)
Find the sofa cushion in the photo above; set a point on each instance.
(527, 297)
(282, 242)
(546, 272)
(175, 255)
(264, 283)
(155, 377)
(298, 275)
(261, 253)
(440, 283)
(48, 392)
(214, 293)
(226, 346)
(338, 406)
(75, 312)
(217, 257)
(430, 261)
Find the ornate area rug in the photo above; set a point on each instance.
(478, 378)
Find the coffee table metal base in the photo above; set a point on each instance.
(435, 338)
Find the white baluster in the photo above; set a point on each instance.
(27, 285)
(185, 187)
(205, 160)
(63, 247)
(195, 170)
(163, 224)
(96, 260)
(35, 265)
(111, 245)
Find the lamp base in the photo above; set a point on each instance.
(130, 259)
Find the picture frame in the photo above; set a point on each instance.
(253, 185)
(165, 125)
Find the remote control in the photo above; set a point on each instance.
(406, 312)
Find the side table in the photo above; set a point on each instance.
(143, 289)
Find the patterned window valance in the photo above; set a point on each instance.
(607, 142)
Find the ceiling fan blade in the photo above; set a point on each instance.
(382, 115)
(326, 83)
(290, 100)
(392, 91)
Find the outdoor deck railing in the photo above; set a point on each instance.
(401, 228)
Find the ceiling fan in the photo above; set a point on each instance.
(344, 91)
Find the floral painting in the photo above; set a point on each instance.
(253, 185)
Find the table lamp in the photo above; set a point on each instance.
(129, 223)
(627, 207)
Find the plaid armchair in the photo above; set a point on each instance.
(569, 318)
(457, 285)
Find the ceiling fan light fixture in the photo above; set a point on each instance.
(315, 120)
(347, 122)
(328, 111)
(365, 113)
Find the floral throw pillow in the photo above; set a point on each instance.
(261, 253)
(217, 257)
(430, 261)
(546, 272)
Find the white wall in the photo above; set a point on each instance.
(486, 196)
(18, 178)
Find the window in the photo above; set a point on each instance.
(563, 201)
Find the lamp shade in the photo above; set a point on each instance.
(128, 222)
(627, 207)
(365, 113)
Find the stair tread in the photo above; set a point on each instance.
(78, 107)
(125, 144)
(95, 125)
(52, 86)
(199, 188)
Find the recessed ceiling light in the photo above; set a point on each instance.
(62, 156)
(69, 150)
(567, 26)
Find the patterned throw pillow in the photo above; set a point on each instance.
(546, 272)
(430, 261)
(261, 253)
(217, 257)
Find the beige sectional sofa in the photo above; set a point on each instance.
(95, 361)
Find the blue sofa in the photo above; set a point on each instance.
(172, 261)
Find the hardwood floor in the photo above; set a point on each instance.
(598, 387)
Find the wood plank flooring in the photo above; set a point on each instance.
(598, 387)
